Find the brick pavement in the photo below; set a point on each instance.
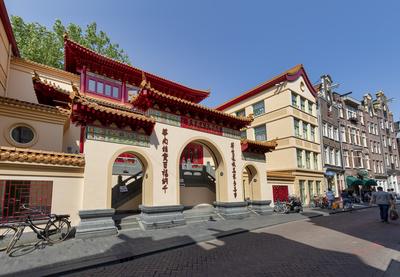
(352, 244)
(76, 253)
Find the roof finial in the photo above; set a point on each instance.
(65, 35)
(144, 81)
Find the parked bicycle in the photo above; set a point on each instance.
(281, 207)
(56, 230)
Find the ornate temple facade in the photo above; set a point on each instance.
(101, 140)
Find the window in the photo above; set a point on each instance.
(299, 154)
(382, 124)
(374, 166)
(343, 133)
(335, 134)
(302, 191)
(132, 92)
(387, 160)
(103, 86)
(384, 141)
(318, 187)
(351, 113)
(310, 107)
(258, 108)
(315, 161)
(312, 133)
(243, 134)
(305, 130)
(330, 131)
(242, 113)
(367, 161)
(382, 167)
(338, 160)
(346, 158)
(364, 139)
(294, 100)
(303, 104)
(353, 136)
(260, 132)
(341, 114)
(308, 159)
(394, 143)
(15, 193)
(325, 130)
(379, 147)
(358, 141)
(332, 156)
(310, 189)
(376, 129)
(297, 128)
(22, 134)
(396, 161)
(326, 152)
(372, 146)
(361, 113)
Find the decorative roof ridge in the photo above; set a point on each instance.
(146, 85)
(84, 101)
(75, 91)
(19, 59)
(47, 108)
(271, 143)
(66, 39)
(110, 104)
(15, 154)
(288, 75)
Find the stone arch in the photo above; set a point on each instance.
(221, 187)
(251, 182)
(147, 183)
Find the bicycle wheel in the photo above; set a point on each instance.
(58, 230)
(14, 239)
(7, 233)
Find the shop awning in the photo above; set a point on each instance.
(354, 181)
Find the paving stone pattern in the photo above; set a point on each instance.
(351, 244)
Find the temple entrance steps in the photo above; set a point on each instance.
(127, 221)
(201, 212)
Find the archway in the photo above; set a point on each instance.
(202, 177)
(128, 172)
(250, 179)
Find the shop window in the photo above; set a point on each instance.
(36, 195)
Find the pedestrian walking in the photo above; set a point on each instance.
(394, 194)
(330, 196)
(383, 199)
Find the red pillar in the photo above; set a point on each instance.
(82, 139)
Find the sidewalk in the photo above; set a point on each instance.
(76, 253)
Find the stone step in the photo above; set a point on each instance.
(202, 212)
(127, 222)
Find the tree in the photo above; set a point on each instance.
(37, 43)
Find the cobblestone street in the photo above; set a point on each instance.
(350, 244)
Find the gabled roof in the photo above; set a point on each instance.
(7, 27)
(290, 75)
(77, 56)
(149, 96)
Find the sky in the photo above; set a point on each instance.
(232, 46)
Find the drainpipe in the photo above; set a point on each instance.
(321, 139)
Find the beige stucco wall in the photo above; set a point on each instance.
(71, 138)
(20, 84)
(5, 51)
(100, 155)
(67, 188)
(49, 135)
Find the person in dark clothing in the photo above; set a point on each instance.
(383, 200)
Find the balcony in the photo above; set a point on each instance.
(353, 119)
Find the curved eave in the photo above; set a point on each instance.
(74, 50)
(50, 94)
(258, 146)
(148, 97)
(289, 75)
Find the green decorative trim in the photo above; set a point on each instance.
(117, 136)
(254, 157)
(163, 117)
(230, 133)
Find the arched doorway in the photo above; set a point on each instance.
(127, 183)
(201, 174)
(250, 179)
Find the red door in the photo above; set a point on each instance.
(280, 193)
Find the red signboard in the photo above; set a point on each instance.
(187, 122)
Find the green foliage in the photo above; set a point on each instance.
(37, 43)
